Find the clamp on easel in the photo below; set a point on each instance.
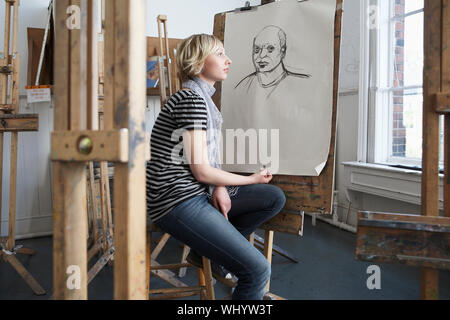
(246, 8)
(14, 123)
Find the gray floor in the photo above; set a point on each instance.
(327, 270)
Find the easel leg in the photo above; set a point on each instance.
(429, 283)
(12, 193)
(24, 274)
(93, 206)
(104, 200)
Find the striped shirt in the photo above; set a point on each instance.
(169, 178)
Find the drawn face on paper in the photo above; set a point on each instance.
(268, 52)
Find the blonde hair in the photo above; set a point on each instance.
(192, 53)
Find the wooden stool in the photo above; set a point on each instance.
(205, 283)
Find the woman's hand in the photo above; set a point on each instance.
(221, 200)
(262, 177)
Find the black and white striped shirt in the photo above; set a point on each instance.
(169, 178)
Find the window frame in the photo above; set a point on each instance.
(375, 128)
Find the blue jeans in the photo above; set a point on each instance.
(196, 223)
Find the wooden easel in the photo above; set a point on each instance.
(102, 236)
(14, 123)
(154, 50)
(424, 240)
(123, 141)
(303, 194)
(164, 61)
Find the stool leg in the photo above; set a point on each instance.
(149, 247)
(182, 271)
(208, 279)
(201, 283)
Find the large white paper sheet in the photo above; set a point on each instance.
(280, 88)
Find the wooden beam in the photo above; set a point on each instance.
(19, 122)
(109, 45)
(14, 101)
(104, 145)
(413, 240)
(288, 221)
(446, 89)
(430, 157)
(92, 68)
(69, 179)
(4, 82)
(12, 192)
(443, 101)
(126, 61)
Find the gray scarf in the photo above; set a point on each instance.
(214, 125)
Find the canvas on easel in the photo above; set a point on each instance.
(303, 193)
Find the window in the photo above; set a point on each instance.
(396, 83)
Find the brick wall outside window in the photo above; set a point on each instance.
(398, 128)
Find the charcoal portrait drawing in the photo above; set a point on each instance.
(279, 91)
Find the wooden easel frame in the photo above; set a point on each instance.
(423, 240)
(13, 123)
(310, 194)
(123, 141)
(153, 50)
(102, 236)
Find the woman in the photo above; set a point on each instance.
(187, 193)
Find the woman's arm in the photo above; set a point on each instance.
(195, 146)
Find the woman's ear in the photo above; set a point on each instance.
(199, 69)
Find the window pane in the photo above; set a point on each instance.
(412, 5)
(413, 50)
(407, 124)
(407, 73)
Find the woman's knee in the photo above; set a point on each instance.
(278, 197)
(263, 271)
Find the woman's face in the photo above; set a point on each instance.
(216, 66)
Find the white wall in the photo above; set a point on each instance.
(34, 211)
(188, 17)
